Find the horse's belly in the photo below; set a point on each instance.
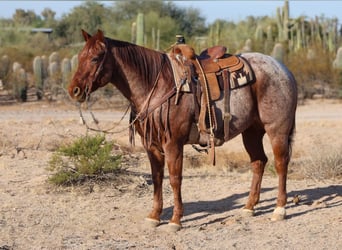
(242, 111)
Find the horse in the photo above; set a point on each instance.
(165, 118)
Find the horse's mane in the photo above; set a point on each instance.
(146, 62)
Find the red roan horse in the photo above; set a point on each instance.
(146, 79)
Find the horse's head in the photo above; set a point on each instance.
(91, 72)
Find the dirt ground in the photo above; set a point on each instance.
(36, 215)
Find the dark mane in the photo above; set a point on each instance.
(146, 62)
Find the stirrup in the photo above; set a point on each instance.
(201, 149)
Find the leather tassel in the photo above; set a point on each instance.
(212, 156)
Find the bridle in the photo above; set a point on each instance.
(146, 107)
(89, 86)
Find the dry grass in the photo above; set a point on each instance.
(323, 162)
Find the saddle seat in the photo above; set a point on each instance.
(215, 59)
(213, 53)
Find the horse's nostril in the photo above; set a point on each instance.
(76, 91)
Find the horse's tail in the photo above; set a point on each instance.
(291, 136)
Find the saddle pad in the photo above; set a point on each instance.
(242, 76)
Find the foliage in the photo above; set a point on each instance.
(88, 157)
(316, 75)
(90, 15)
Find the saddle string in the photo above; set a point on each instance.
(206, 90)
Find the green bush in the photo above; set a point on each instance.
(87, 158)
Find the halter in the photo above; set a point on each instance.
(97, 72)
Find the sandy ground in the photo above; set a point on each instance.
(36, 215)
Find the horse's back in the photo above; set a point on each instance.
(266, 66)
(275, 89)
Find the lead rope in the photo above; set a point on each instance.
(106, 131)
(144, 109)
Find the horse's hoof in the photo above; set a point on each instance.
(247, 212)
(278, 214)
(173, 227)
(152, 222)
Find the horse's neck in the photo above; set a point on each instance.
(135, 80)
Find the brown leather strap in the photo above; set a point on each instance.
(226, 95)
(152, 107)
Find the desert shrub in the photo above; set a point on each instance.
(87, 158)
(324, 163)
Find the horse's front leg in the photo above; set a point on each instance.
(157, 162)
(174, 160)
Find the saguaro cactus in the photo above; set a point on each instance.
(54, 65)
(283, 21)
(259, 33)
(38, 76)
(66, 71)
(134, 32)
(4, 67)
(337, 63)
(140, 29)
(74, 63)
(278, 52)
(19, 81)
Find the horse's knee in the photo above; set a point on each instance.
(175, 181)
(258, 166)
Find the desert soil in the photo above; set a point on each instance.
(110, 215)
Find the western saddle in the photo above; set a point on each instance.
(218, 73)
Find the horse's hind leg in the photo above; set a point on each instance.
(281, 149)
(157, 167)
(252, 140)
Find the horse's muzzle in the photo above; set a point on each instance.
(78, 94)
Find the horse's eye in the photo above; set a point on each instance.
(94, 60)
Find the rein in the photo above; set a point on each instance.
(143, 113)
(105, 131)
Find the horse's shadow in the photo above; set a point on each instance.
(331, 196)
(308, 196)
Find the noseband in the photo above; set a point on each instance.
(97, 73)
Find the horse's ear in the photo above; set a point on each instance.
(86, 35)
(100, 35)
